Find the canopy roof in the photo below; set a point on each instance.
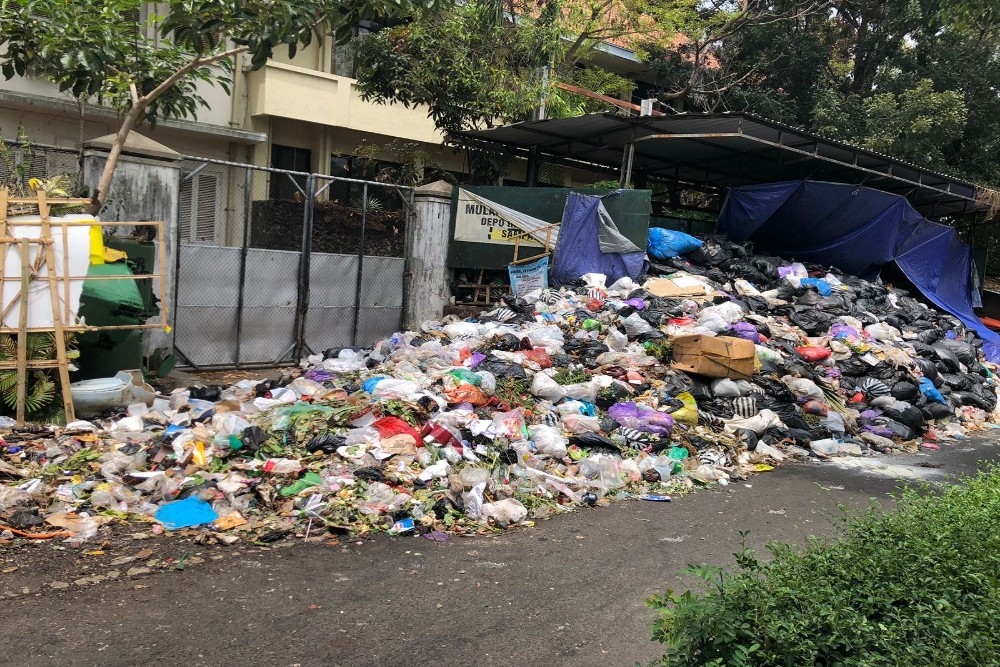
(724, 150)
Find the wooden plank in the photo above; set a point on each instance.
(22, 333)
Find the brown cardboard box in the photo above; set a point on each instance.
(676, 287)
(714, 356)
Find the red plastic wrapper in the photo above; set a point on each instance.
(388, 427)
(812, 353)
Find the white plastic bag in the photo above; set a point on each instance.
(546, 388)
(548, 441)
(636, 326)
(616, 340)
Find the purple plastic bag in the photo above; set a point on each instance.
(476, 359)
(839, 331)
(636, 303)
(317, 375)
(643, 419)
(746, 331)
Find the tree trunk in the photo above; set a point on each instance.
(101, 191)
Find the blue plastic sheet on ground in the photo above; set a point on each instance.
(186, 513)
(589, 242)
(858, 230)
(530, 277)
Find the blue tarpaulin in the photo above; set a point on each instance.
(858, 230)
(589, 242)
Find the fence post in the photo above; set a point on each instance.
(361, 265)
(302, 306)
(427, 254)
(241, 298)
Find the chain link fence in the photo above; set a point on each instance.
(276, 264)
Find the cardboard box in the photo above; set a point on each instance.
(714, 356)
(682, 286)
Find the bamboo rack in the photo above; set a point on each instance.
(63, 319)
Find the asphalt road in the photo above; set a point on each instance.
(569, 591)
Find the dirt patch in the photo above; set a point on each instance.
(277, 225)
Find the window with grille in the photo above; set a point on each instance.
(199, 208)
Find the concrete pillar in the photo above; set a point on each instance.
(427, 255)
(145, 187)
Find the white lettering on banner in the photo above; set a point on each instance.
(478, 223)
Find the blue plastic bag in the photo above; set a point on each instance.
(666, 243)
(928, 389)
(821, 285)
(368, 386)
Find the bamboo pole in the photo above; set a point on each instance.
(57, 321)
(22, 333)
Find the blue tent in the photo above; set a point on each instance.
(858, 230)
(589, 242)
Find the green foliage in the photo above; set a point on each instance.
(101, 48)
(40, 387)
(571, 376)
(913, 586)
(916, 125)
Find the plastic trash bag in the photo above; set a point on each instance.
(928, 389)
(548, 441)
(666, 243)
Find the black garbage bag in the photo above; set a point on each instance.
(963, 351)
(947, 357)
(801, 436)
(700, 389)
(325, 442)
(594, 442)
(935, 410)
(712, 253)
(986, 394)
(922, 350)
(788, 412)
(813, 322)
(677, 382)
(501, 369)
(810, 298)
(616, 392)
(905, 391)
(883, 371)
(899, 429)
(504, 343)
(253, 437)
(212, 393)
(852, 367)
(929, 336)
(746, 439)
(775, 389)
(929, 370)
(957, 381)
(969, 398)
(835, 304)
(908, 415)
(765, 266)
(740, 268)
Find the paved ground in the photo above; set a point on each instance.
(567, 592)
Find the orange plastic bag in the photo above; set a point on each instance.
(539, 356)
(466, 393)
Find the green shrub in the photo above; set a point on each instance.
(914, 586)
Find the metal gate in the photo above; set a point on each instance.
(273, 265)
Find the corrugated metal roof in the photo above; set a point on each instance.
(726, 150)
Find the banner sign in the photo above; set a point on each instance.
(477, 222)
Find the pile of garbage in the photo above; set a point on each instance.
(721, 364)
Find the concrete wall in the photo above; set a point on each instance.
(142, 190)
